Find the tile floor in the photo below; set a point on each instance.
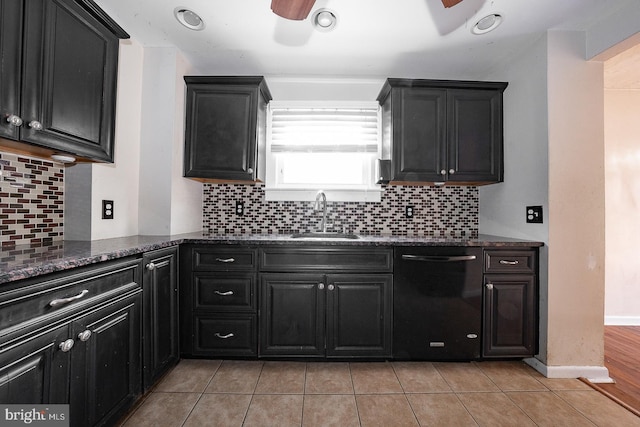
(256, 393)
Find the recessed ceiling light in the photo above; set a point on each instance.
(188, 18)
(324, 20)
(486, 24)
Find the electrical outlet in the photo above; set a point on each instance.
(239, 207)
(107, 209)
(534, 214)
(408, 211)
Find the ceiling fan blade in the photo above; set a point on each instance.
(292, 9)
(450, 3)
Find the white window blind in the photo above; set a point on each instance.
(324, 130)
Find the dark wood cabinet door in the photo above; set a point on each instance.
(419, 131)
(509, 327)
(35, 370)
(292, 309)
(106, 361)
(225, 123)
(160, 314)
(474, 135)
(359, 315)
(10, 65)
(69, 80)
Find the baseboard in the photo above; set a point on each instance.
(622, 320)
(595, 374)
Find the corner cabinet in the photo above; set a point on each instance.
(443, 131)
(510, 323)
(326, 302)
(161, 348)
(225, 128)
(58, 74)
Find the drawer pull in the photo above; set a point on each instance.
(67, 345)
(224, 337)
(507, 262)
(224, 294)
(84, 335)
(225, 260)
(62, 301)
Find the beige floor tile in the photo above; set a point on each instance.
(494, 409)
(601, 410)
(328, 378)
(441, 409)
(220, 410)
(235, 376)
(190, 375)
(330, 410)
(564, 384)
(370, 378)
(280, 410)
(281, 378)
(545, 408)
(511, 376)
(420, 377)
(463, 377)
(163, 410)
(385, 410)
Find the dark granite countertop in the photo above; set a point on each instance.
(24, 261)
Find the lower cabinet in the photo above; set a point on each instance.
(334, 315)
(510, 319)
(74, 338)
(160, 314)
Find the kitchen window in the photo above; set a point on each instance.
(321, 146)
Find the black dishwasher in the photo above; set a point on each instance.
(437, 303)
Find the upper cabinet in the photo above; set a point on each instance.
(443, 131)
(226, 128)
(58, 74)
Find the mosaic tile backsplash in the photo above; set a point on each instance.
(437, 212)
(31, 200)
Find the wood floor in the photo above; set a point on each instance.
(622, 358)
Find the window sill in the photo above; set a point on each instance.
(372, 195)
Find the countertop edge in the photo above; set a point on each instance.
(23, 262)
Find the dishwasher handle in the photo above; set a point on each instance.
(438, 258)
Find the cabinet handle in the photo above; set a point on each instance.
(224, 294)
(84, 335)
(62, 301)
(331, 287)
(14, 120)
(489, 286)
(507, 262)
(443, 172)
(452, 171)
(321, 286)
(35, 125)
(224, 337)
(250, 170)
(151, 266)
(66, 345)
(226, 260)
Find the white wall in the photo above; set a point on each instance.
(118, 181)
(622, 171)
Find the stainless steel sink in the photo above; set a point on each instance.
(324, 235)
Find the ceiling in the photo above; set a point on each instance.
(373, 38)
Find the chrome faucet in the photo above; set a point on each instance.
(316, 207)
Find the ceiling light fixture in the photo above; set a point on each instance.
(188, 18)
(324, 20)
(486, 24)
(63, 158)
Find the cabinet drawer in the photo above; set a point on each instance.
(224, 291)
(63, 294)
(510, 261)
(223, 258)
(231, 335)
(327, 259)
